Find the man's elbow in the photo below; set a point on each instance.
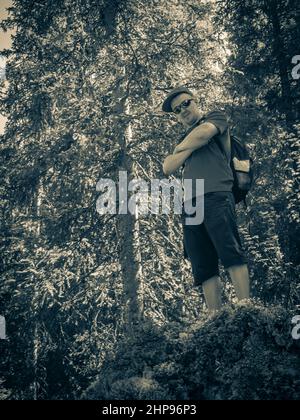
(166, 168)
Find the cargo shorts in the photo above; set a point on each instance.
(216, 238)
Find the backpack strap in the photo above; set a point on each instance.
(218, 141)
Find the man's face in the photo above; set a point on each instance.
(189, 112)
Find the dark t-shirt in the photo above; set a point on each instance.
(209, 162)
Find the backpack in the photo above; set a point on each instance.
(241, 164)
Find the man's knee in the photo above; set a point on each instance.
(202, 275)
(237, 268)
(235, 263)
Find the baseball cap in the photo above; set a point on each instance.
(166, 106)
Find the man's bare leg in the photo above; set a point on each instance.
(212, 289)
(240, 278)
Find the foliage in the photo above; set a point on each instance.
(86, 81)
(263, 38)
(244, 353)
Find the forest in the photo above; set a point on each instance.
(102, 307)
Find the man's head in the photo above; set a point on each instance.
(181, 101)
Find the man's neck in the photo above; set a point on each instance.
(188, 127)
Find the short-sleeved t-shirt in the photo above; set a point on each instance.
(209, 162)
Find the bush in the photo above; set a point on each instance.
(243, 353)
(4, 393)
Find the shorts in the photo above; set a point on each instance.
(217, 237)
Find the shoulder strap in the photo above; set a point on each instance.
(221, 146)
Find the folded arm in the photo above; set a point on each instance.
(199, 137)
(173, 162)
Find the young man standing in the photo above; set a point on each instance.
(217, 236)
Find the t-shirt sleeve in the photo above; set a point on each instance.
(218, 119)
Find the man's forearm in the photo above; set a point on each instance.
(197, 138)
(191, 143)
(173, 162)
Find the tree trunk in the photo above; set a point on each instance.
(128, 235)
(283, 61)
(36, 335)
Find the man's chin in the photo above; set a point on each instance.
(190, 120)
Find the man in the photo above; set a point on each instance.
(217, 236)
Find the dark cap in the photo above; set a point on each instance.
(166, 106)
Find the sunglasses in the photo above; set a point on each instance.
(185, 104)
